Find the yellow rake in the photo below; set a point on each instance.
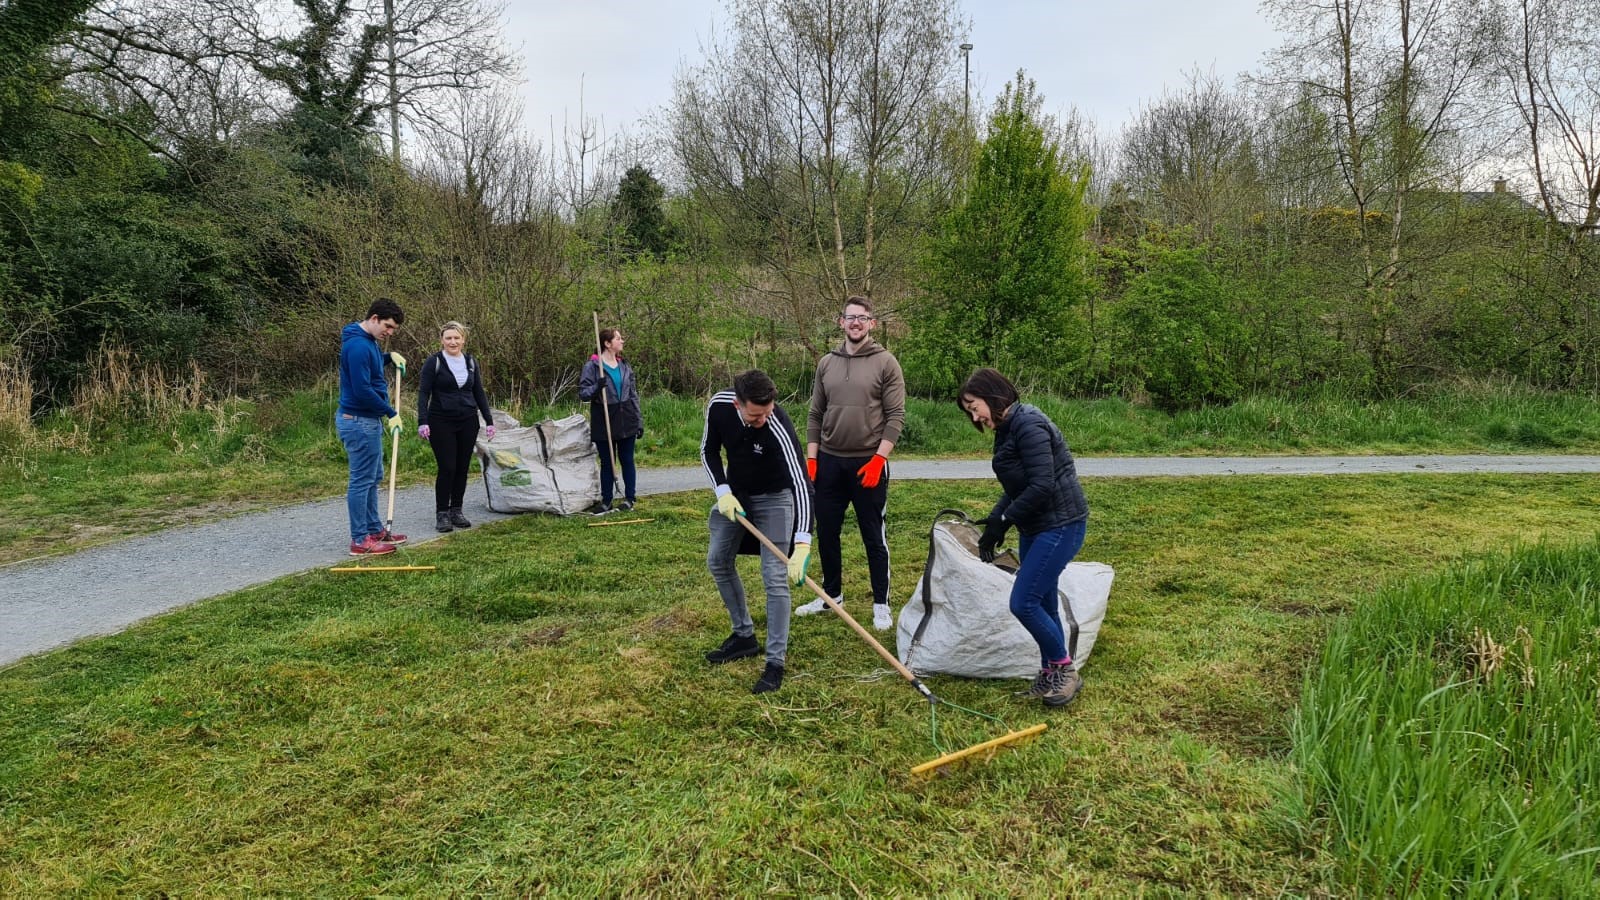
(982, 752)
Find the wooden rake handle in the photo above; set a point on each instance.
(866, 635)
(394, 458)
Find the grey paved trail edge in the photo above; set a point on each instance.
(47, 604)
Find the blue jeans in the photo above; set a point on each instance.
(1033, 595)
(773, 515)
(363, 443)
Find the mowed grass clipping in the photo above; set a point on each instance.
(536, 716)
(1450, 736)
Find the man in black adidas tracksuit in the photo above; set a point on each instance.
(764, 481)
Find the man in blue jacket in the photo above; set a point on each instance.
(365, 417)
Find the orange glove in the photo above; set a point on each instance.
(811, 468)
(872, 471)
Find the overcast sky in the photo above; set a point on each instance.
(1105, 57)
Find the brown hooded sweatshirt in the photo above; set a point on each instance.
(857, 400)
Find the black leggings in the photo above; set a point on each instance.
(452, 439)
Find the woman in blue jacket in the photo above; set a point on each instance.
(1042, 498)
(448, 408)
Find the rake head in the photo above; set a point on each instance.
(977, 753)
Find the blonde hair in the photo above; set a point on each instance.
(452, 325)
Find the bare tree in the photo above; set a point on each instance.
(1191, 156)
(207, 67)
(1548, 61)
(806, 133)
(1392, 75)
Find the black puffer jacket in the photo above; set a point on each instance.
(627, 419)
(1036, 471)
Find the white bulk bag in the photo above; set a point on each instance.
(967, 627)
(548, 467)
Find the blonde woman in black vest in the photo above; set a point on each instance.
(449, 406)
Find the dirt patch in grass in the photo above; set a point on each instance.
(541, 637)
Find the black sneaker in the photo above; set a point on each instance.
(625, 506)
(735, 647)
(599, 509)
(457, 519)
(771, 679)
(441, 521)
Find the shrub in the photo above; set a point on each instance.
(1176, 334)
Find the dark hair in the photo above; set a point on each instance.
(992, 388)
(754, 387)
(384, 308)
(606, 334)
(856, 300)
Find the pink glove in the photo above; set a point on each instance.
(489, 431)
(423, 431)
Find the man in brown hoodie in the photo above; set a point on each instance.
(858, 407)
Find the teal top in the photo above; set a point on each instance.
(615, 374)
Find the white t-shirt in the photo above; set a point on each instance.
(458, 368)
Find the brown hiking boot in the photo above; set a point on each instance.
(1064, 682)
(1041, 684)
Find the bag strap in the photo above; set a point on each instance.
(927, 582)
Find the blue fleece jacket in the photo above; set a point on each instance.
(362, 388)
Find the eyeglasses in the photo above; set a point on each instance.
(856, 318)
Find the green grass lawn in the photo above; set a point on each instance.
(69, 488)
(535, 716)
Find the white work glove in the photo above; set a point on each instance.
(399, 362)
(394, 424)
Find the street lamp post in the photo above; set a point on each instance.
(394, 89)
(966, 81)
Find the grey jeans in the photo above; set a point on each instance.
(773, 514)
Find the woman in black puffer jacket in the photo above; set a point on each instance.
(1043, 499)
(448, 409)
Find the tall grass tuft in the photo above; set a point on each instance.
(16, 405)
(118, 389)
(1447, 741)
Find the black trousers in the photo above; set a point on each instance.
(451, 438)
(838, 487)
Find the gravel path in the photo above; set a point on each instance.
(105, 589)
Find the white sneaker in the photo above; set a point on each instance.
(882, 619)
(816, 606)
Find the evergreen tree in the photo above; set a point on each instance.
(638, 213)
(1007, 268)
